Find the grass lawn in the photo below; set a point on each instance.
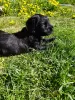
(67, 1)
(40, 75)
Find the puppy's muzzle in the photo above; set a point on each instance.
(50, 28)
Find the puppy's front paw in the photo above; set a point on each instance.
(41, 48)
(52, 39)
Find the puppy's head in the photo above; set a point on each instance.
(39, 25)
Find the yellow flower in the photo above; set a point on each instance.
(32, 12)
(42, 13)
(4, 1)
(54, 2)
(6, 5)
(21, 11)
(24, 2)
(12, 22)
(38, 7)
(28, 16)
(22, 6)
(73, 16)
(26, 13)
(24, 9)
(50, 13)
(0, 0)
(19, 14)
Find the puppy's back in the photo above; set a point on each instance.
(2, 32)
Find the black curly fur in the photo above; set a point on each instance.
(29, 37)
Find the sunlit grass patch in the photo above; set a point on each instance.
(12, 23)
(1, 64)
(48, 74)
(41, 75)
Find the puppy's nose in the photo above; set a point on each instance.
(51, 26)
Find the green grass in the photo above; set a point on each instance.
(40, 75)
(67, 1)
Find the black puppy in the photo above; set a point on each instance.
(29, 37)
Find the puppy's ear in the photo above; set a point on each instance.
(32, 23)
